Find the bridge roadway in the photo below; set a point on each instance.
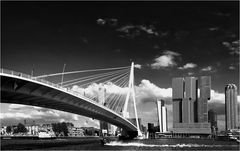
(20, 88)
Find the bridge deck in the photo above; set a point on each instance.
(23, 89)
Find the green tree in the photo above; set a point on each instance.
(8, 129)
(21, 128)
(64, 128)
(59, 128)
(56, 128)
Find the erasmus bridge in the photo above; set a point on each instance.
(103, 94)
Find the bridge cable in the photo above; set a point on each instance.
(81, 71)
(97, 75)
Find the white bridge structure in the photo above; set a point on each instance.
(105, 94)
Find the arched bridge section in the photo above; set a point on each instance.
(20, 88)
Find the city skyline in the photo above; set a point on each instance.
(200, 40)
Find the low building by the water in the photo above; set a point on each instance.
(75, 132)
(151, 131)
(32, 129)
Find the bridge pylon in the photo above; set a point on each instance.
(131, 93)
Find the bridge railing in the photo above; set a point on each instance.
(15, 73)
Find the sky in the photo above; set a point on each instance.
(165, 39)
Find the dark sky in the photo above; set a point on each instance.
(45, 35)
(169, 39)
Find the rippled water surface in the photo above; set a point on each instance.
(94, 144)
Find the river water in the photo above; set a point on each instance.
(148, 144)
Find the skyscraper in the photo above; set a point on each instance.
(184, 99)
(231, 113)
(162, 116)
(205, 90)
(190, 112)
(189, 100)
(177, 96)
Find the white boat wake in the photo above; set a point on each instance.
(137, 144)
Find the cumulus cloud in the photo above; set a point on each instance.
(149, 30)
(93, 89)
(208, 68)
(17, 113)
(146, 89)
(234, 47)
(188, 66)
(166, 60)
(138, 66)
(213, 28)
(125, 29)
(101, 21)
(232, 67)
(190, 73)
(131, 31)
(107, 21)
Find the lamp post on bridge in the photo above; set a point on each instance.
(63, 73)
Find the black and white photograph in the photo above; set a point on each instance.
(120, 75)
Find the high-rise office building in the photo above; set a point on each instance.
(205, 90)
(190, 112)
(162, 116)
(231, 112)
(189, 100)
(177, 97)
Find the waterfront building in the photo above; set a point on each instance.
(190, 111)
(75, 132)
(32, 129)
(151, 132)
(231, 110)
(212, 119)
(90, 131)
(162, 116)
(46, 127)
(107, 129)
(104, 128)
(3, 130)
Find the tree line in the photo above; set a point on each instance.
(60, 129)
